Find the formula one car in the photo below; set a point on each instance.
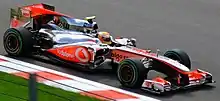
(32, 34)
(39, 30)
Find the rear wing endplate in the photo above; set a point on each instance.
(19, 17)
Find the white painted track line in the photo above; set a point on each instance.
(85, 84)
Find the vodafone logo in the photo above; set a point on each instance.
(81, 51)
(80, 54)
(65, 54)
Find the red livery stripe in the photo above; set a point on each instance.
(41, 74)
(108, 94)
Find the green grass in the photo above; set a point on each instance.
(10, 90)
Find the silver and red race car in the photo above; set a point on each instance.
(73, 42)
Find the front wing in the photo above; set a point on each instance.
(159, 88)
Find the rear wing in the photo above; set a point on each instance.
(41, 6)
(22, 16)
(19, 17)
(48, 7)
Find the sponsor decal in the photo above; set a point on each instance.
(84, 52)
(75, 54)
(118, 57)
(25, 13)
(141, 51)
(65, 54)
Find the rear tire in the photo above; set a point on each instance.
(18, 42)
(179, 55)
(131, 73)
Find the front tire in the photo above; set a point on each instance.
(18, 42)
(131, 73)
(179, 55)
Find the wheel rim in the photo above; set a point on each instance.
(127, 73)
(12, 43)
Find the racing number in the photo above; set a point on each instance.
(118, 57)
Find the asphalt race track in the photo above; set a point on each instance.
(191, 25)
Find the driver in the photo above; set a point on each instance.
(56, 21)
(106, 38)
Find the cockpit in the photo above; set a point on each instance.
(67, 23)
(75, 39)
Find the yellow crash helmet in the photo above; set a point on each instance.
(104, 37)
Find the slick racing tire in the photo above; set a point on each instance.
(18, 42)
(179, 55)
(131, 73)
